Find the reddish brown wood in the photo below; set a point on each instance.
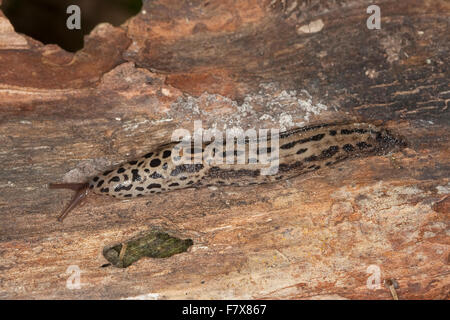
(64, 117)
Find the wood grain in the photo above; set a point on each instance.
(64, 117)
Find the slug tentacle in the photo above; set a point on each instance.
(82, 190)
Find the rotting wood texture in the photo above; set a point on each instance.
(65, 117)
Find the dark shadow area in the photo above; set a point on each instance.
(45, 20)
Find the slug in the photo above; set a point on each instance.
(300, 151)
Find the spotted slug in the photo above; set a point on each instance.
(299, 151)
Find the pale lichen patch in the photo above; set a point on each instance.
(269, 107)
(312, 27)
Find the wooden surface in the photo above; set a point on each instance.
(65, 117)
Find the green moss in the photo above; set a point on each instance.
(153, 244)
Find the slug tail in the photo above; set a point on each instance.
(82, 190)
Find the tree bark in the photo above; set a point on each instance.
(65, 117)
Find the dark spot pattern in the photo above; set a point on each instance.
(363, 145)
(348, 148)
(156, 175)
(155, 162)
(136, 176)
(121, 187)
(316, 137)
(216, 172)
(311, 158)
(153, 186)
(190, 168)
(284, 167)
(144, 178)
(114, 179)
(328, 153)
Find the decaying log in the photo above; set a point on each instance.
(249, 63)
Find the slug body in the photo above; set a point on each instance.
(298, 151)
